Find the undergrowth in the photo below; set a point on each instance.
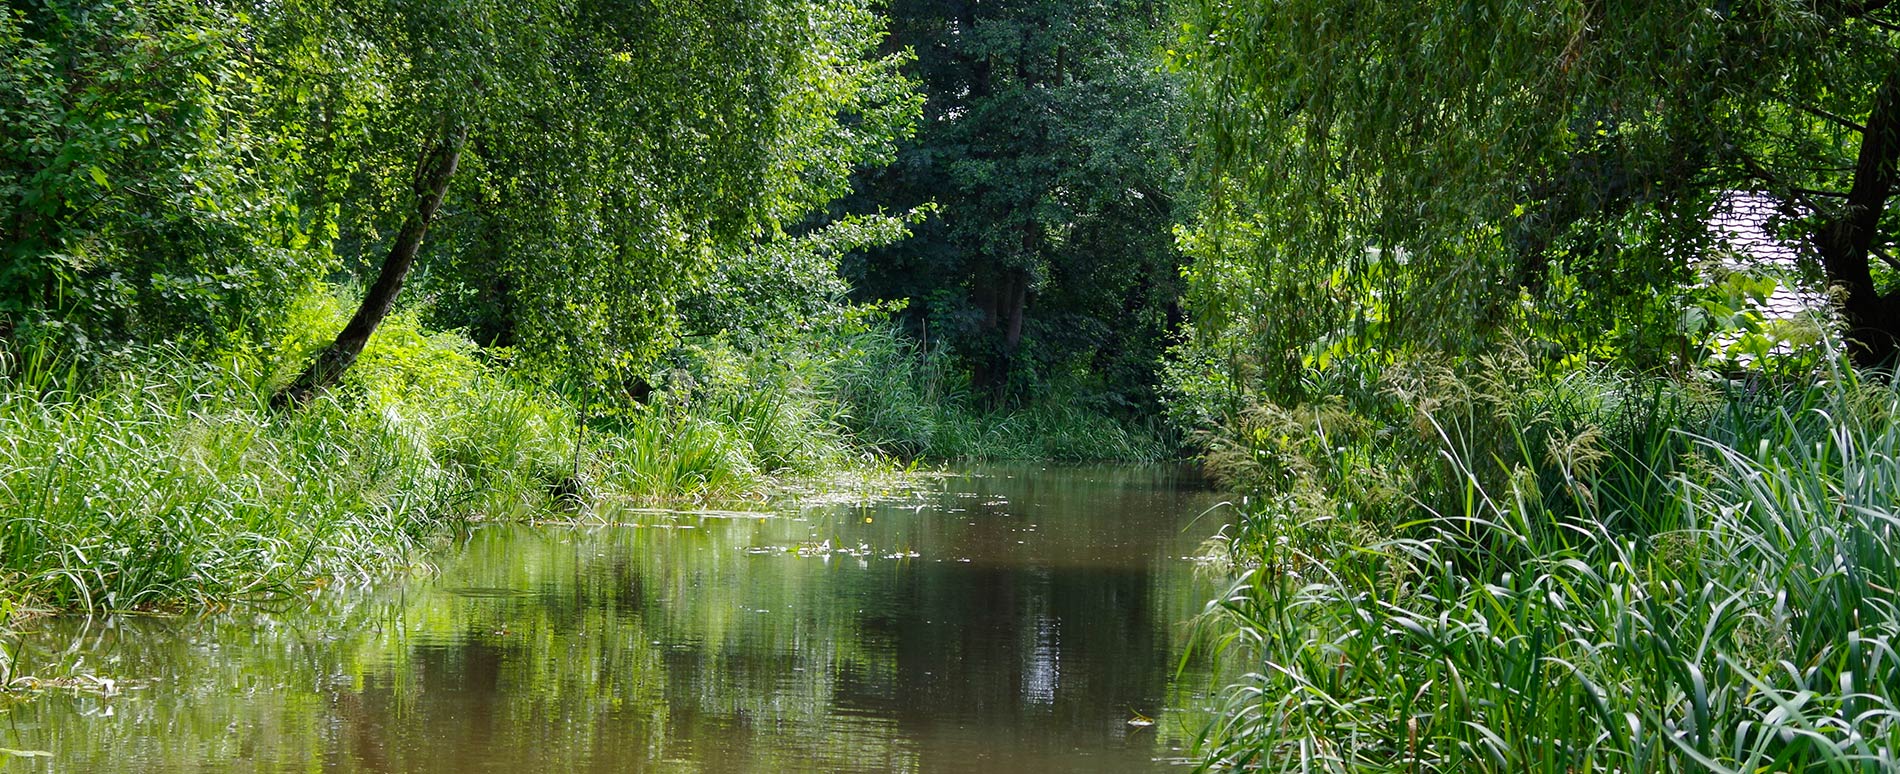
(908, 402)
(160, 480)
(1580, 572)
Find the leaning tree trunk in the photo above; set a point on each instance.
(1846, 242)
(433, 172)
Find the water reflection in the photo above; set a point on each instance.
(1009, 621)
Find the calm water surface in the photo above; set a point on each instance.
(1004, 620)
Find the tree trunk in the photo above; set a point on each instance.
(1004, 302)
(433, 172)
(1015, 303)
(1846, 241)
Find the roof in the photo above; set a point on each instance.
(1746, 224)
(1746, 230)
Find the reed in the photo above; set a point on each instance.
(1715, 591)
(163, 481)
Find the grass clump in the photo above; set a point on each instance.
(1612, 575)
(904, 400)
(154, 491)
(161, 480)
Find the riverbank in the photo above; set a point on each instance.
(1580, 572)
(164, 482)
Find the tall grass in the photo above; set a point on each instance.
(173, 483)
(906, 401)
(161, 481)
(1697, 590)
(164, 491)
(165, 482)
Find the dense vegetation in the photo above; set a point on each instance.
(161, 483)
(1544, 465)
(1050, 147)
(1539, 476)
(288, 288)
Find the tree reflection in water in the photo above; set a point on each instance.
(1040, 613)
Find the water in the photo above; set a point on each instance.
(1011, 619)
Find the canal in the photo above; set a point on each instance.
(1000, 619)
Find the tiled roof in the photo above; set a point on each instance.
(1744, 224)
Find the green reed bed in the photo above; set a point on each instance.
(167, 483)
(163, 481)
(1740, 619)
(158, 492)
(155, 491)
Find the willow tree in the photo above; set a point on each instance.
(597, 155)
(1419, 172)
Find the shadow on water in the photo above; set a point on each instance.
(1011, 619)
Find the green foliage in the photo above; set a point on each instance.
(770, 397)
(1372, 449)
(1050, 143)
(836, 395)
(1729, 619)
(1442, 177)
(166, 482)
(180, 172)
(671, 143)
(674, 456)
(1733, 332)
(1460, 334)
(785, 284)
(142, 189)
(901, 399)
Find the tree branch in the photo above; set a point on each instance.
(1861, 9)
(1881, 23)
(1806, 196)
(1814, 192)
(1828, 116)
(1886, 256)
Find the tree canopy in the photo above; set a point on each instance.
(1050, 143)
(570, 171)
(1400, 174)
(142, 180)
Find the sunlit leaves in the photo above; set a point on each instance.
(141, 193)
(177, 170)
(1556, 152)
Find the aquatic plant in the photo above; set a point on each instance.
(1714, 592)
(169, 484)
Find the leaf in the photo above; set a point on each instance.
(25, 753)
(98, 176)
(1694, 320)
